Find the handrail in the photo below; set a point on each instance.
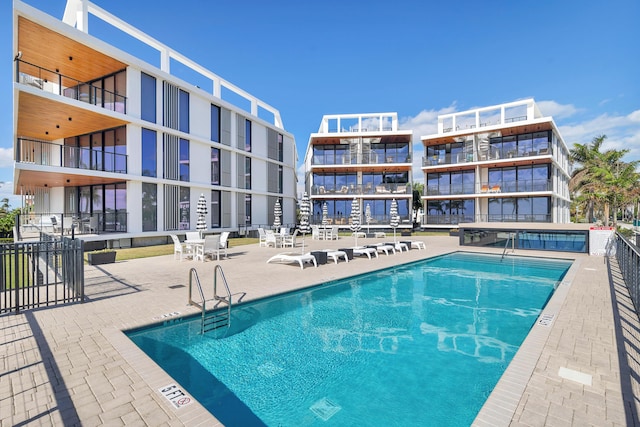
(202, 307)
(228, 298)
(513, 249)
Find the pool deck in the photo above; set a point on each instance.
(72, 365)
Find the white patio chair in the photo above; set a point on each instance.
(180, 248)
(290, 239)
(210, 246)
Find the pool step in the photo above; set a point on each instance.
(215, 320)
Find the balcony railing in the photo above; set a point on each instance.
(322, 190)
(54, 82)
(376, 220)
(522, 186)
(49, 154)
(359, 159)
(491, 155)
(464, 218)
(32, 224)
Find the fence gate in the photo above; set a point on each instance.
(43, 273)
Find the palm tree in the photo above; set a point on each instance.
(583, 185)
(602, 179)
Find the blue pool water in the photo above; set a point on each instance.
(418, 344)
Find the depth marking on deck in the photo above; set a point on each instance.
(546, 319)
(167, 315)
(176, 396)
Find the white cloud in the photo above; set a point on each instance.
(6, 192)
(6, 157)
(555, 110)
(623, 132)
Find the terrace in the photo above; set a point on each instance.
(72, 364)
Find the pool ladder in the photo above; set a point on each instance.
(511, 239)
(218, 318)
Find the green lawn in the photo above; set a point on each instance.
(150, 251)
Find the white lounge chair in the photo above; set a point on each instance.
(289, 257)
(361, 250)
(335, 255)
(399, 246)
(379, 234)
(417, 244)
(381, 247)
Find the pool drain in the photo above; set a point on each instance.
(324, 409)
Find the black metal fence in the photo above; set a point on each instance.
(43, 273)
(628, 256)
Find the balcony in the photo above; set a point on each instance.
(521, 186)
(463, 218)
(32, 224)
(495, 153)
(359, 159)
(56, 83)
(49, 154)
(366, 189)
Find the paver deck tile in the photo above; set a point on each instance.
(71, 365)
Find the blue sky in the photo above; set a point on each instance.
(580, 61)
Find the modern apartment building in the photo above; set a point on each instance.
(504, 163)
(125, 149)
(362, 156)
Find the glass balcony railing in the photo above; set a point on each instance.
(54, 82)
(521, 186)
(359, 159)
(49, 154)
(437, 159)
(324, 190)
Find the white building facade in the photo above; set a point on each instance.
(503, 163)
(361, 156)
(102, 135)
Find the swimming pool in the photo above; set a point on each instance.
(418, 344)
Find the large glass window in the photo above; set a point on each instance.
(149, 207)
(184, 160)
(149, 153)
(453, 211)
(215, 123)
(215, 166)
(458, 182)
(184, 111)
(148, 98)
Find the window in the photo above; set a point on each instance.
(184, 111)
(149, 153)
(148, 98)
(215, 123)
(185, 211)
(280, 147)
(247, 140)
(215, 166)
(215, 209)
(247, 173)
(184, 160)
(149, 207)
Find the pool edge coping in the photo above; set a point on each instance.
(500, 407)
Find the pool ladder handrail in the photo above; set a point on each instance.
(511, 239)
(213, 320)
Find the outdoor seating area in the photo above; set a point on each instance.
(196, 247)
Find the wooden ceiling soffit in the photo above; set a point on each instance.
(44, 119)
(53, 51)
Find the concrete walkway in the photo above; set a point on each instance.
(72, 365)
